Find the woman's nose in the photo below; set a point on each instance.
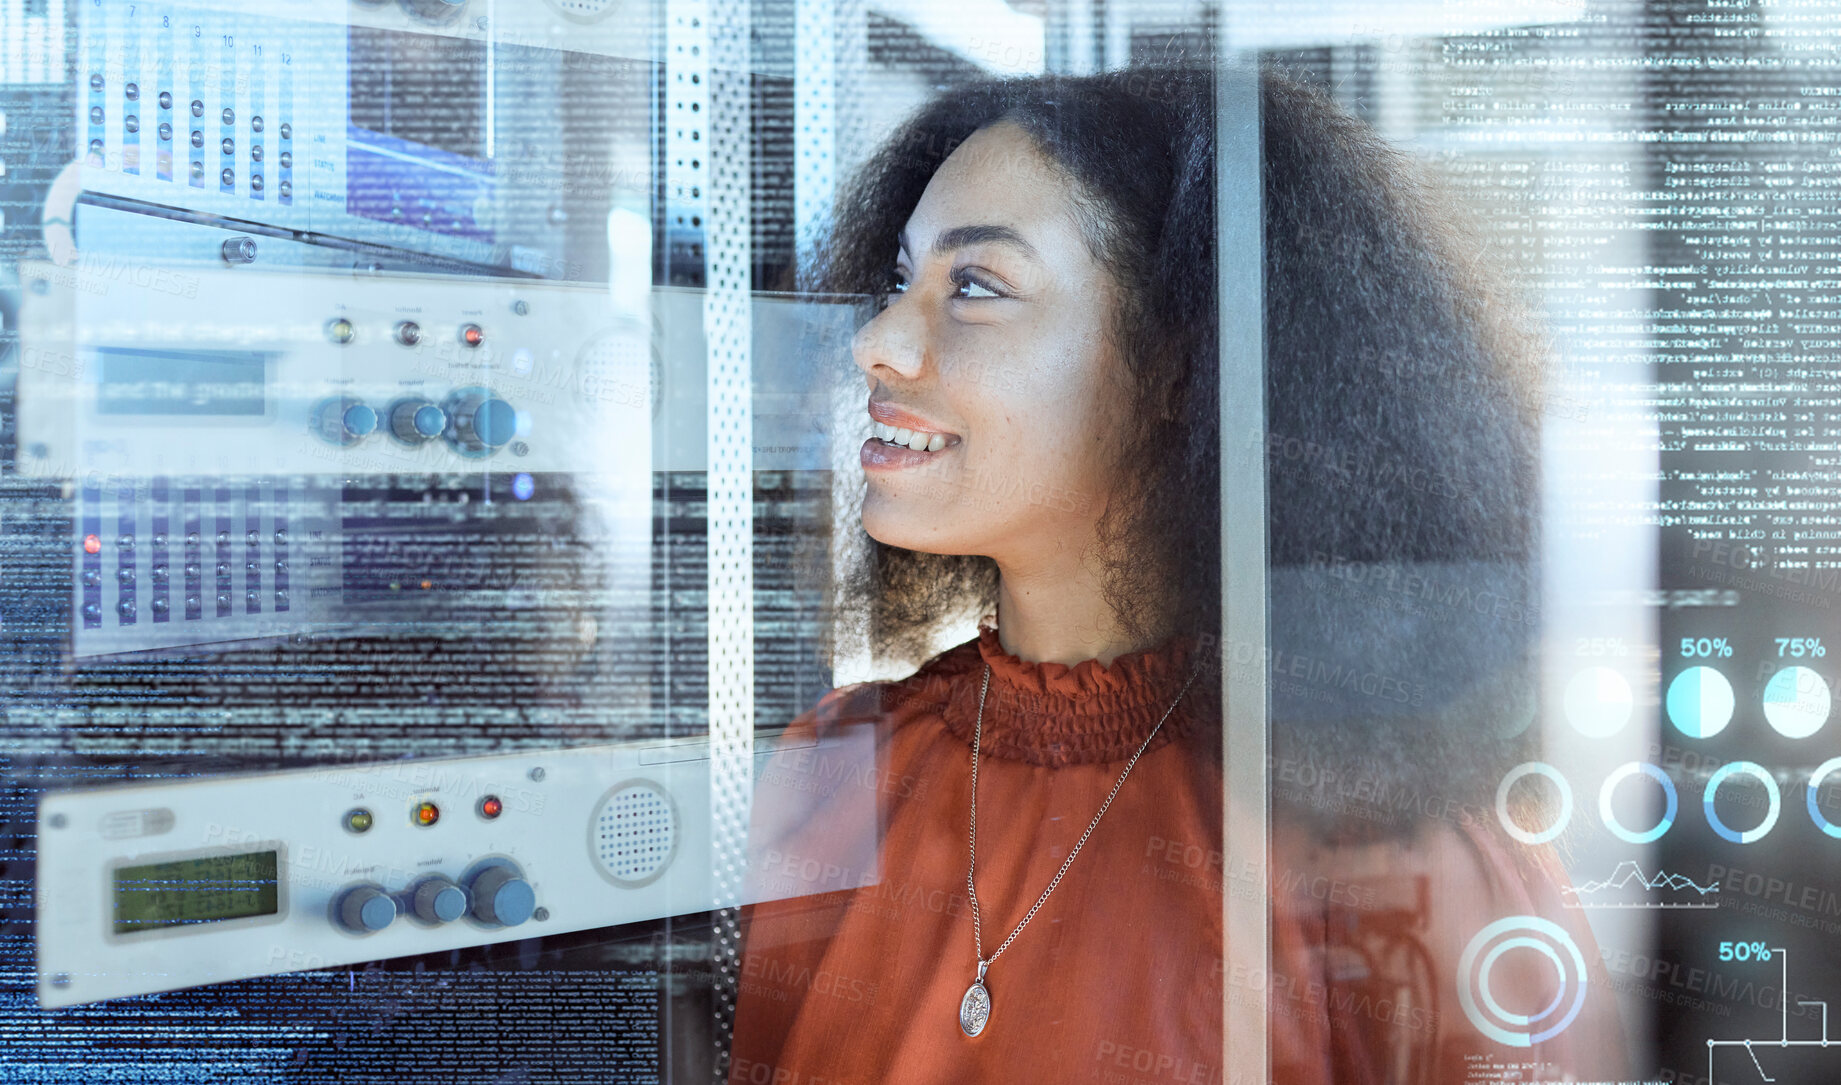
(894, 338)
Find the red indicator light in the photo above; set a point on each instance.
(427, 584)
(472, 335)
(427, 813)
(92, 545)
(490, 807)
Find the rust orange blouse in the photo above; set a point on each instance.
(1118, 972)
(857, 978)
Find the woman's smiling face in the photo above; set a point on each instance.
(995, 336)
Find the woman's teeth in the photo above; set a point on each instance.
(914, 439)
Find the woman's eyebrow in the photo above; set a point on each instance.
(959, 237)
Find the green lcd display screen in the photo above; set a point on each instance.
(208, 889)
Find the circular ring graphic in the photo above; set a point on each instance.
(1533, 768)
(1609, 816)
(1598, 702)
(1821, 772)
(1489, 962)
(1756, 771)
(1550, 941)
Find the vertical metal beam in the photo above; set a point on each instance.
(831, 138)
(721, 153)
(831, 53)
(815, 93)
(1083, 37)
(686, 120)
(1115, 34)
(1240, 263)
(1070, 38)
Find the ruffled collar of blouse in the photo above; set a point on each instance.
(1050, 713)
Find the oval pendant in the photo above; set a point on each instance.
(974, 1008)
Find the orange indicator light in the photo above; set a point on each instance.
(427, 813)
(92, 545)
(490, 807)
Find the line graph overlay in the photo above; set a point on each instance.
(1629, 878)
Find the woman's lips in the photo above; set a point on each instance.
(891, 415)
(877, 454)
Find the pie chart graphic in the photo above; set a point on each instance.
(1796, 702)
(1700, 702)
(1598, 702)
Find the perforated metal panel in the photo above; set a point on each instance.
(687, 80)
(730, 503)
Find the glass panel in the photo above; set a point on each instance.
(1545, 348)
(546, 498)
(441, 463)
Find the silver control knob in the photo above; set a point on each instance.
(481, 422)
(344, 421)
(366, 910)
(416, 420)
(501, 895)
(239, 250)
(439, 900)
(357, 421)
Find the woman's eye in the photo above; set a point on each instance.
(965, 287)
(897, 284)
(970, 288)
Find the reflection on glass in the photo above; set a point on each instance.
(390, 391)
(1039, 452)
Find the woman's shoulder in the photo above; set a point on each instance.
(828, 785)
(888, 702)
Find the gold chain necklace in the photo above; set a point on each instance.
(975, 1007)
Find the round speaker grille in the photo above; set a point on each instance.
(634, 833)
(584, 11)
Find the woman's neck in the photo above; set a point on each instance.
(1058, 618)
